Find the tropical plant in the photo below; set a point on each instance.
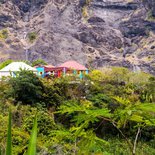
(32, 142)
(33, 139)
(107, 113)
(137, 116)
(83, 115)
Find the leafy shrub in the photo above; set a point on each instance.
(26, 87)
(39, 62)
(55, 91)
(32, 36)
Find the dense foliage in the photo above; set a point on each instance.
(5, 63)
(39, 62)
(25, 87)
(111, 111)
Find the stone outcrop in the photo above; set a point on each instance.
(95, 32)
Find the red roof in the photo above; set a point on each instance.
(49, 66)
(73, 65)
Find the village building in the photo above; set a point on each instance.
(67, 68)
(14, 67)
(44, 71)
(73, 67)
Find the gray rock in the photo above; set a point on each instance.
(113, 30)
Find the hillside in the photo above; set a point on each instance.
(109, 112)
(93, 32)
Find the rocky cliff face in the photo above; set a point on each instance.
(94, 32)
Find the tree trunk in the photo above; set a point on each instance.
(135, 142)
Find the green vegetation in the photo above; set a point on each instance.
(9, 136)
(25, 87)
(85, 13)
(32, 36)
(110, 112)
(39, 62)
(4, 34)
(5, 63)
(33, 140)
(32, 143)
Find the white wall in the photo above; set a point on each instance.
(4, 74)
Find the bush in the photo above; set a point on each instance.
(55, 92)
(32, 36)
(39, 62)
(26, 87)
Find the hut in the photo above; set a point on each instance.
(12, 68)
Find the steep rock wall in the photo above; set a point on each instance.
(94, 32)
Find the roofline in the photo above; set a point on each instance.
(17, 71)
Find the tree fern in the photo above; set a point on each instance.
(83, 115)
(142, 114)
(71, 107)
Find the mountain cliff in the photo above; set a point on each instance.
(93, 32)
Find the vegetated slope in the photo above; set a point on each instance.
(94, 32)
(109, 112)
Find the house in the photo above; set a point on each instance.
(40, 71)
(12, 68)
(43, 71)
(71, 68)
(67, 68)
(74, 66)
